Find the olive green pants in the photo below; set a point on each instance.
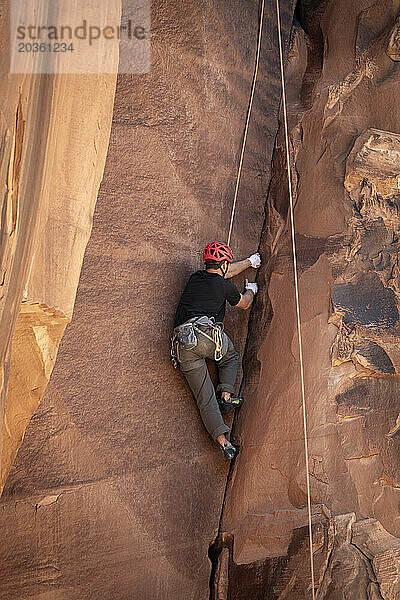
(194, 367)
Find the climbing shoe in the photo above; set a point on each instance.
(229, 451)
(227, 406)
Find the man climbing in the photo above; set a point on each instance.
(198, 334)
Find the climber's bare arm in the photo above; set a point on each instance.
(245, 300)
(237, 267)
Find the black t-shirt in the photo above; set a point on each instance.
(205, 294)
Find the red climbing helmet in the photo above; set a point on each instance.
(217, 251)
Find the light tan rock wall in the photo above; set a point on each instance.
(54, 133)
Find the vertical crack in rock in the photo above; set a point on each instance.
(221, 547)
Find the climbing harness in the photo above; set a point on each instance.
(184, 337)
(293, 235)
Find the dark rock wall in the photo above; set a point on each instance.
(343, 84)
(117, 490)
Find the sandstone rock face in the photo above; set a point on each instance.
(54, 133)
(344, 135)
(117, 490)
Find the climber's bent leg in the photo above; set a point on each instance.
(227, 368)
(196, 373)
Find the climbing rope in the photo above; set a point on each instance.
(253, 87)
(297, 299)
